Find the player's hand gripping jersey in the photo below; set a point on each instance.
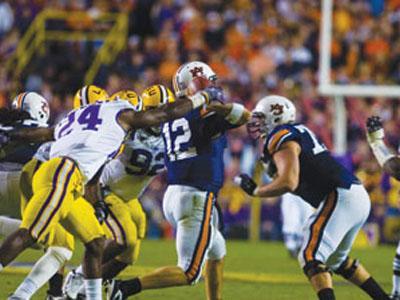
(194, 147)
(320, 173)
(90, 136)
(142, 158)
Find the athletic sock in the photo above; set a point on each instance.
(131, 287)
(93, 289)
(26, 289)
(372, 288)
(326, 294)
(55, 285)
(396, 273)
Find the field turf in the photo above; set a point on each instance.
(253, 271)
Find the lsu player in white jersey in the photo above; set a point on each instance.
(59, 244)
(123, 180)
(84, 141)
(390, 163)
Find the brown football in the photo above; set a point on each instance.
(197, 84)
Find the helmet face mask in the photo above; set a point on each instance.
(187, 72)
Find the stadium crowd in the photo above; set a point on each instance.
(257, 47)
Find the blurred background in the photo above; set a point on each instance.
(256, 47)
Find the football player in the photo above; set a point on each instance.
(29, 110)
(390, 163)
(123, 179)
(194, 146)
(60, 243)
(84, 141)
(306, 168)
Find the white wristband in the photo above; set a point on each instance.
(198, 100)
(381, 152)
(235, 114)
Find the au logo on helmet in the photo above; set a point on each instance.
(197, 71)
(276, 109)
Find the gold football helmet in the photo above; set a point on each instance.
(156, 95)
(89, 94)
(131, 96)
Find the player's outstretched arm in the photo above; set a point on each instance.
(130, 119)
(31, 135)
(234, 113)
(288, 171)
(375, 136)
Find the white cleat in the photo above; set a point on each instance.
(72, 285)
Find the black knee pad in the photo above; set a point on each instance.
(346, 269)
(314, 267)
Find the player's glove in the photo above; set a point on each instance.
(214, 93)
(246, 183)
(375, 129)
(101, 211)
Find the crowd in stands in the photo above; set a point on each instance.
(257, 47)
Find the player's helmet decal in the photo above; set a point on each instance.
(276, 109)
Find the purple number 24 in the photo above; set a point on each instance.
(89, 117)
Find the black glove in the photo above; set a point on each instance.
(214, 93)
(101, 211)
(246, 183)
(374, 123)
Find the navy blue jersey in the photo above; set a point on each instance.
(320, 173)
(21, 153)
(194, 148)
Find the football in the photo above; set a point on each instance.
(197, 84)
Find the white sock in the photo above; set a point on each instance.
(42, 271)
(26, 289)
(93, 289)
(82, 290)
(8, 225)
(396, 272)
(79, 270)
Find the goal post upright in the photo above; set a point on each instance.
(339, 91)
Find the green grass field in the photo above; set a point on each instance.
(253, 271)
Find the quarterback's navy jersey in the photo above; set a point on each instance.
(194, 148)
(320, 173)
(21, 153)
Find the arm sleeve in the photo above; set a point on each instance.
(214, 124)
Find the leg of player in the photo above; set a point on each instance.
(354, 272)
(55, 284)
(396, 275)
(92, 268)
(13, 245)
(214, 270)
(42, 271)
(320, 279)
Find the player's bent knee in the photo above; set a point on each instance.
(314, 267)
(95, 247)
(348, 268)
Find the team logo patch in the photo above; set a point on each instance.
(197, 71)
(276, 109)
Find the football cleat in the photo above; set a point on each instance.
(113, 290)
(72, 284)
(51, 297)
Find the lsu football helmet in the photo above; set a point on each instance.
(89, 94)
(35, 105)
(185, 74)
(131, 96)
(270, 112)
(156, 95)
